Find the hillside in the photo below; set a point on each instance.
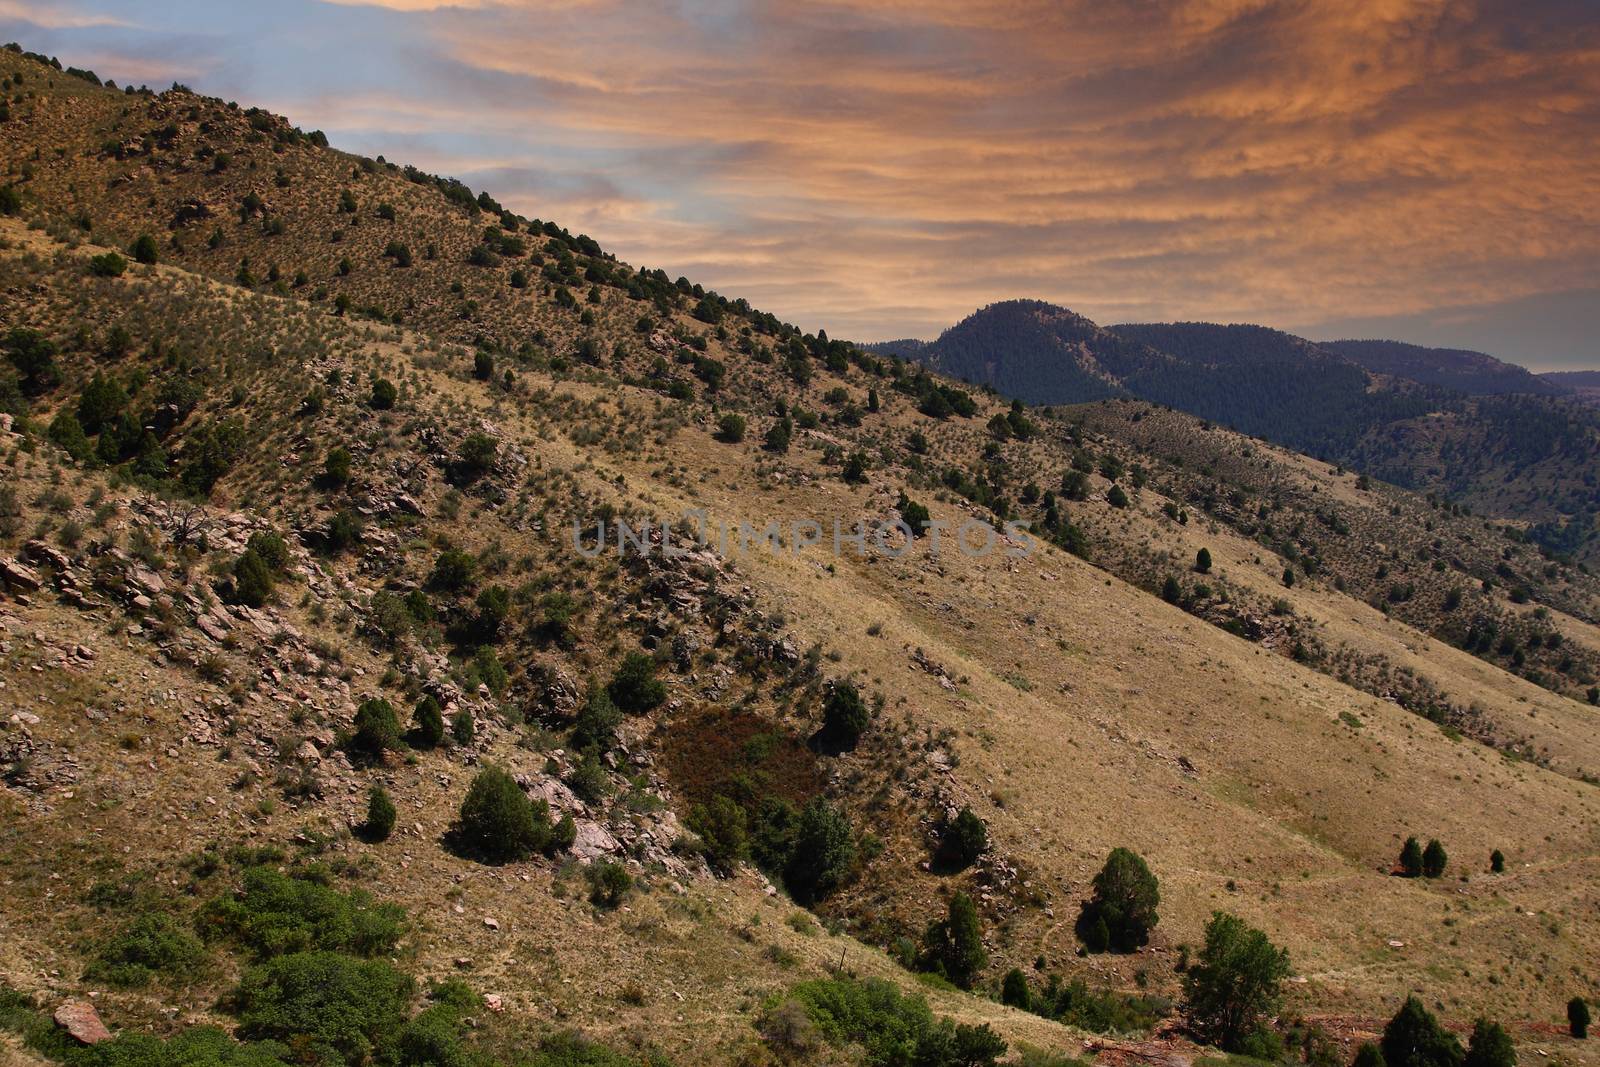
(324, 440)
(1467, 427)
(1584, 384)
(1472, 373)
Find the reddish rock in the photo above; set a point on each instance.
(78, 1018)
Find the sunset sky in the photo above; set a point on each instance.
(1427, 170)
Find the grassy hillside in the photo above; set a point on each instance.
(423, 430)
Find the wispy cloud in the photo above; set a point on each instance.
(882, 166)
(55, 16)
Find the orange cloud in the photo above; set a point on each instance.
(881, 167)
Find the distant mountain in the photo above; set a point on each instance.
(1036, 352)
(1459, 423)
(1261, 381)
(1583, 384)
(1573, 379)
(1472, 373)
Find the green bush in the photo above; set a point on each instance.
(1368, 1055)
(1102, 1012)
(1202, 561)
(915, 515)
(1411, 858)
(1234, 987)
(723, 831)
(964, 839)
(34, 356)
(778, 436)
(823, 853)
(336, 467)
(1497, 861)
(199, 1046)
(589, 780)
(1434, 860)
(1490, 1046)
(427, 724)
(101, 403)
(634, 688)
(66, 433)
(380, 815)
(274, 913)
(890, 1028)
(609, 883)
(1122, 911)
(325, 1002)
(144, 249)
(1014, 991)
(1414, 1038)
(595, 728)
(377, 729)
(844, 717)
(953, 947)
(152, 943)
(498, 823)
(252, 580)
(1578, 1018)
(730, 428)
(477, 456)
(108, 265)
(452, 571)
(384, 394)
(271, 548)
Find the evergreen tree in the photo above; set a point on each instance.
(427, 727)
(954, 946)
(1414, 1038)
(1014, 991)
(1497, 861)
(635, 689)
(1578, 1017)
(1490, 1046)
(498, 823)
(380, 815)
(965, 838)
(377, 730)
(252, 579)
(144, 249)
(1411, 858)
(844, 717)
(1125, 899)
(778, 436)
(1234, 988)
(1202, 561)
(1368, 1055)
(1434, 859)
(824, 852)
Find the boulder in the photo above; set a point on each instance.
(18, 577)
(78, 1018)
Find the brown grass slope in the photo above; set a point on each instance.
(1072, 709)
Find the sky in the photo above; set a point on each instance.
(1426, 170)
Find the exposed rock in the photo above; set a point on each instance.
(18, 577)
(593, 841)
(78, 1018)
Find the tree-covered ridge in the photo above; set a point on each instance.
(1473, 373)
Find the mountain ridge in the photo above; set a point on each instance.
(240, 508)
